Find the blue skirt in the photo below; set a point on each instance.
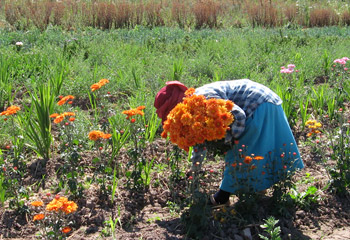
(265, 154)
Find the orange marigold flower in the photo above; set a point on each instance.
(62, 204)
(247, 160)
(66, 114)
(69, 207)
(72, 119)
(54, 115)
(258, 158)
(189, 92)
(95, 87)
(95, 135)
(10, 111)
(106, 136)
(38, 217)
(103, 82)
(65, 99)
(66, 229)
(134, 111)
(59, 119)
(98, 85)
(37, 203)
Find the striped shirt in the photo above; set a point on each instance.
(246, 96)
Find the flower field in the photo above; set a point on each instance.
(83, 154)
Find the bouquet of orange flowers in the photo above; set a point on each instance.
(197, 120)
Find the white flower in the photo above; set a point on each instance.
(19, 44)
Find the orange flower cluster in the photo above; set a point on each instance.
(134, 111)
(96, 135)
(10, 111)
(313, 125)
(98, 85)
(197, 120)
(65, 99)
(60, 117)
(62, 204)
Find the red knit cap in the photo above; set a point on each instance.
(168, 97)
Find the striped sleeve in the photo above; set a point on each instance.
(238, 126)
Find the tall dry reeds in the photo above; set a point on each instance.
(321, 17)
(206, 13)
(153, 15)
(263, 13)
(106, 14)
(179, 12)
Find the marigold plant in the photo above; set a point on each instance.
(98, 85)
(135, 111)
(54, 221)
(96, 135)
(62, 204)
(197, 119)
(314, 126)
(65, 99)
(10, 111)
(60, 117)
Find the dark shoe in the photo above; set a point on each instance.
(215, 204)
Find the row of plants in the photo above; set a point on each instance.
(185, 14)
(57, 107)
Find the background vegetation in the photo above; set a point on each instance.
(69, 14)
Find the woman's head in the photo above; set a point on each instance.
(168, 97)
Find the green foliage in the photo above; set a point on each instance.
(340, 140)
(38, 126)
(271, 228)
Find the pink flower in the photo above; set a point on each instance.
(340, 61)
(291, 66)
(287, 70)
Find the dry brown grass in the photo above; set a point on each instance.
(179, 12)
(290, 13)
(206, 13)
(263, 13)
(345, 18)
(153, 15)
(321, 17)
(124, 15)
(107, 14)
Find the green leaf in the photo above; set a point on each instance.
(95, 160)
